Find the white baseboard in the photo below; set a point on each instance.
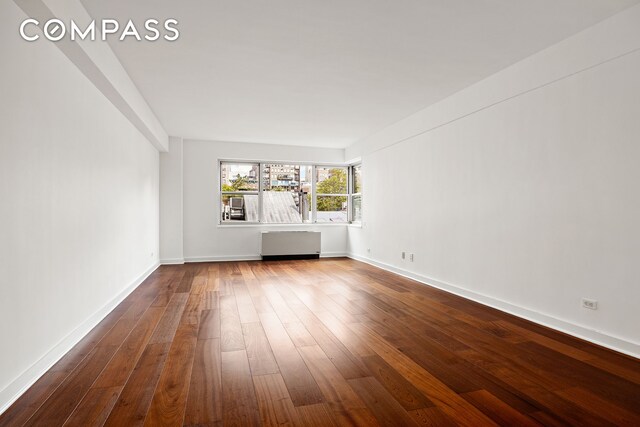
(600, 338)
(223, 258)
(172, 261)
(333, 255)
(18, 386)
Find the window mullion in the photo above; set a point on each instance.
(349, 191)
(220, 202)
(260, 191)
(314, 205)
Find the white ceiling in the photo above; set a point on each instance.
(327, 72)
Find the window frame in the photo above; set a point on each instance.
(259, 192)
(347, 169)
(231, 193)
(353, 194)
(300, 166)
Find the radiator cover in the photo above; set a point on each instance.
(290, 244)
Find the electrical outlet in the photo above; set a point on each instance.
(403, 255)
(411, 257)
(591, 304)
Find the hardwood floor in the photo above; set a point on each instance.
(321, 343)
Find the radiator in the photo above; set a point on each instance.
(290, 244)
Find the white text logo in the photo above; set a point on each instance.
(55, 30)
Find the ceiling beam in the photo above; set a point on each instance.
(99, 64)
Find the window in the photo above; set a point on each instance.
(356, 193)
(332, 194)
(288, 193)
(239, 186)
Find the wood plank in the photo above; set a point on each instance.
(301, 385)
(230, 327)
(187, 280)
(299, 334)
(121, 365)
(561, 347)
(209, 324)
(133, 403)
(625, 393)
(347, 407)
(624, 372)
(261, 359)
(596, 405)
(170, 398)
(246, 309)
(346, 336)
(27, 404)
(498, 410)
(431, 417)
(280, 307)
(402, 390)
(262, 304)
(239, 404)
(548, 420)
(192, 309)
(204, 402)
(541, 397)
(225, 286)
(274, 402)
(59, 406)
(347, 304)
(213, 280)
(349, 364)
(513, 363)
(318, 415)
(384, 407)
(246, 271)
(211, 300)
(166, 329)
(72, 359)
(443, 397)
(94, 408)
(162, 300)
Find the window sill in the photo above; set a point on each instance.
(261, 225)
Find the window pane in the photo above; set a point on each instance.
(239, 207)
(331, 180)
(286, 196)
(356, 209)
(239, 176)
(357, 179)
(331, 209)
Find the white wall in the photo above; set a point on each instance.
(204, 239)
(171, 206)
(522, 191)
(78, 205)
